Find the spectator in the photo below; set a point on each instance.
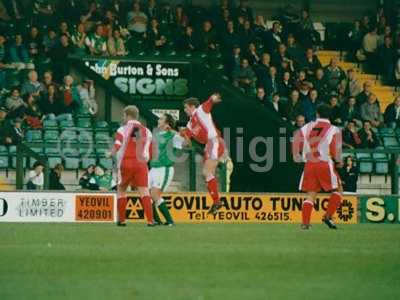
(71, 10)
(308, 35)
(92, 16)
(245, 77)
(320, 84)
(78, 39)
(335, 111)
(59, 56)
(43, 12)
(55, 178)
(244, 10)
(18, 53)
(87, 94)
(104, 180)
(293, 50)
(392, 114)
(355, 38)
(49, 41)
(88, 180)
(14, 104)
(351, 139)
(246, 35)
(262, 70)
(270, 82)
(137, 20)
(273, 37)
(207, 39)
(35, 177)
(34, 43)
(352, 85)
(300, 121)
(47, 80)
(261, 97)
(4, 125)
(370, 45)
(33, 115)
(368, 137)
(116, 44)
(181, 19)
(32, 86)
(310, 106)
(156, 40)
(334, 74)
(276, 106)
(286, 85)
(281, 56)
(51, 105)
(70, 96)
(310, 63)
(188, 42)
(64, 30)
(364, 95)
(350, 111)
(252, 56)
(14, 133)
(3, 65)
(371, 111)
(300, 80)
(386, 55)
(349, 175)
(294, 107)
(260, 26)
(96, 43)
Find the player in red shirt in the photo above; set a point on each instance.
(201, 128)
(319, 144)
(132, 150)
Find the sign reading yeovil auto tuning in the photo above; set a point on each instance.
(246, 208)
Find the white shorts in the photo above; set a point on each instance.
(161, 177)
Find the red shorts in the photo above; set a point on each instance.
(319, 176)
(135, 175)
(214, 149)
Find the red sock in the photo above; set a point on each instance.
(121, 205)
(148, 208)
(212, 186)
(306, 211)
(334, 202)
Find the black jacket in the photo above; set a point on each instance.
(390, 114)
(349, 178)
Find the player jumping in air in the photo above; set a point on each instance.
(201, 127)
(132, 149)
(165, 141)
(319, 144)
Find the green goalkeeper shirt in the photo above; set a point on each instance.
(166, 143)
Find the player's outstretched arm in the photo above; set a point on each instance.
(213, 99)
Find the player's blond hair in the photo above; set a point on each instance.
(132, 111)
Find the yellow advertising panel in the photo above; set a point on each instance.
(192, 207)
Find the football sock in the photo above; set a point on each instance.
(162, 206)
(306, 211)
(148, 209)
(155, 214)
(334, 202)
(212, 186)
(121, 205)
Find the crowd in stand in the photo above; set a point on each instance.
(277, 66)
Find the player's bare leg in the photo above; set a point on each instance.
(121, 205)
(334, 202)
(306, 211)
(146, 201)
(209, 170)
(158, 202)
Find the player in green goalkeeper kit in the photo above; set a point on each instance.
(165, 142)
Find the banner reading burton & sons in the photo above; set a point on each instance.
(153, 80)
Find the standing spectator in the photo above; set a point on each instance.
(270, 82)
(71, 10)
(349, 175)
(230, 38)
(116, 44)
(285, 86)
(392, 114)
(96, 42)
(252, 55)
(365, 93)
(35, 177)
(334, 74)
(352, 85)
(43, 12)
(244, 10)
(370, 45)
(311, 63)
(88, 180)
(92, 16)
(137, 20)
(295, 106)
(310, 106)
(34, 43)
(78, 40)
(55, 178)
(273, 37)
(208, 38)
(276, 106)
(369, 140)
(386, 55)
(18, 53)
(260, 26)
(350, 111)
(245, 77)
(308, 35)
(335, 111)
(59, 56)
(156, 40)
(188, 41)
(351, 139)
(14, 104)
(320, 84)
(49, 41)
(247, 35)
(355, 38)
(371, 111)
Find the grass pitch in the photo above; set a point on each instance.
(229, 262)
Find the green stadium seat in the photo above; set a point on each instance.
(381, 167)
(4, 162)
(53, 161)
(3, 150)
(387, 132)
(14, 162)
(101, 151)
(106, 163)
(87, 152)
(71, 163)
(52, 151)
(102, 138)
(70, 152)
(50, 124)
(85, 137)
(87, 161)
(34, 135)
(366, 167)
(69, 135)
(391, 142)
(50, 136)
(66, 124)
(12, 150)
(363, 156)
(101, 126)
(84, 123)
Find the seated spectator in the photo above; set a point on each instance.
(88, 180)
(137, 20)
(14, 133)
(49, 41)
(370, 46)
(14, 104)
(34, 43)
(335, 111)
(294, 107)
(78, 39)
(351, 139)
(261, 97)
(285, 86)
(300, 121)
(245, 77)
(188, 41)
(116, 44)
(281, 56)
(156, 40)
(386, 56)
(320, 84)
(270, 82)
(32, 86)
(352, 85)
(96, 43)
(35, 177)
(304, 90)
(262, 69)
(350, 111)
(364, 95)
(349, 175)
(392, 114)
(334, 74)
(368, 137)
(55, 178)
(273, 37)
(310, 63)
(246, 35)
(52, 106)
(70, 96)
(4, 125)
(18, 53)
(293, 50)
(47, 80)
(252, 55)
(207, 37)
(310, 106)
(300, 79)
(87, 94)
(276, 106)
(104, 180)
(3, 65)
(230, 37)
(33, 114)
(371, 111)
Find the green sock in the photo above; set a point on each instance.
(165, 212)
(155, 214)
